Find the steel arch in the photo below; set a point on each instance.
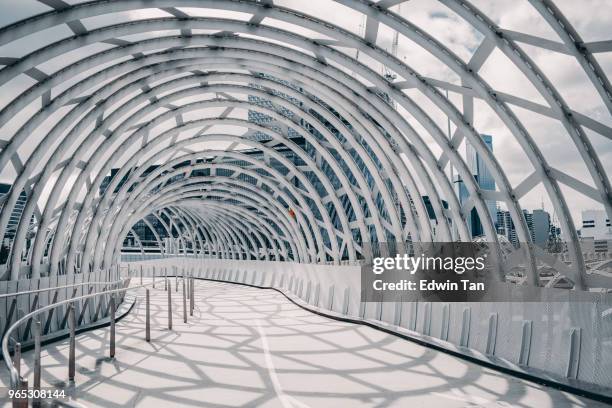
(399, 190)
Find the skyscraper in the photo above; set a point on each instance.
(15, 217)
(263, 119)
(485, 181)
(14, 220)
(541, 228)
(596, 224)
(538, 223)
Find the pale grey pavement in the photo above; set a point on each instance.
(247, 347)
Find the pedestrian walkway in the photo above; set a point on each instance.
(247, 347)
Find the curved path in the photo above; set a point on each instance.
(248, 347)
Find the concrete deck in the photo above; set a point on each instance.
(248, 347)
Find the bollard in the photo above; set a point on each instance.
(112, 325)
(36, 385)
(17, 358)
(191, 281)
(169, 306)
(23, 387)
(148, 318)
(184, 302)
(71, 353)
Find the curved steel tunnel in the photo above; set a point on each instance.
(158, 94)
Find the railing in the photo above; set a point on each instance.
(12, 309)
(30, 294)
(19, 383)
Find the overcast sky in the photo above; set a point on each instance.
(591, 18)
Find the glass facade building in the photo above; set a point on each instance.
(485, 181)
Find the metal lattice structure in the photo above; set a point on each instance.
(148, 92)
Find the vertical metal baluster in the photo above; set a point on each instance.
(153, 277)
(175, 278)
(36, 386)
(112, 325)
(17, 358)
(191, 301)
(22, 402)
(165, 278)
(20, 332)
(140, 274)
(71, 353)
(148, 318)
(184, 302)
(169, 306)
(9, 318)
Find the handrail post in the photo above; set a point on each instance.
(191, 301)
(141, 274)
(37, 368)
(17, 358)
(148, 318)
(169, 305)
(188, 285)
(112, 325)
(21, 402)
(165, 278)
(175, 278)
(153, 277)
(9, 317)
(184, 302)
(71, 352)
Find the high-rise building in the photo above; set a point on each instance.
(260, 118)
(596, 233)
(263, 119)
(541, 228)
(596, 225)
(431, 213)
(13, 223)
(505, 226)
(529, 221)
(485, 181)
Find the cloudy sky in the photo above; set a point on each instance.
(591, 18)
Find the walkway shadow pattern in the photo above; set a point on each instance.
(247, 347)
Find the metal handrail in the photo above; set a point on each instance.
(15, 378)
(14, 375)
(27, 292)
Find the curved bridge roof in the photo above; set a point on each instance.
(277, 130)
